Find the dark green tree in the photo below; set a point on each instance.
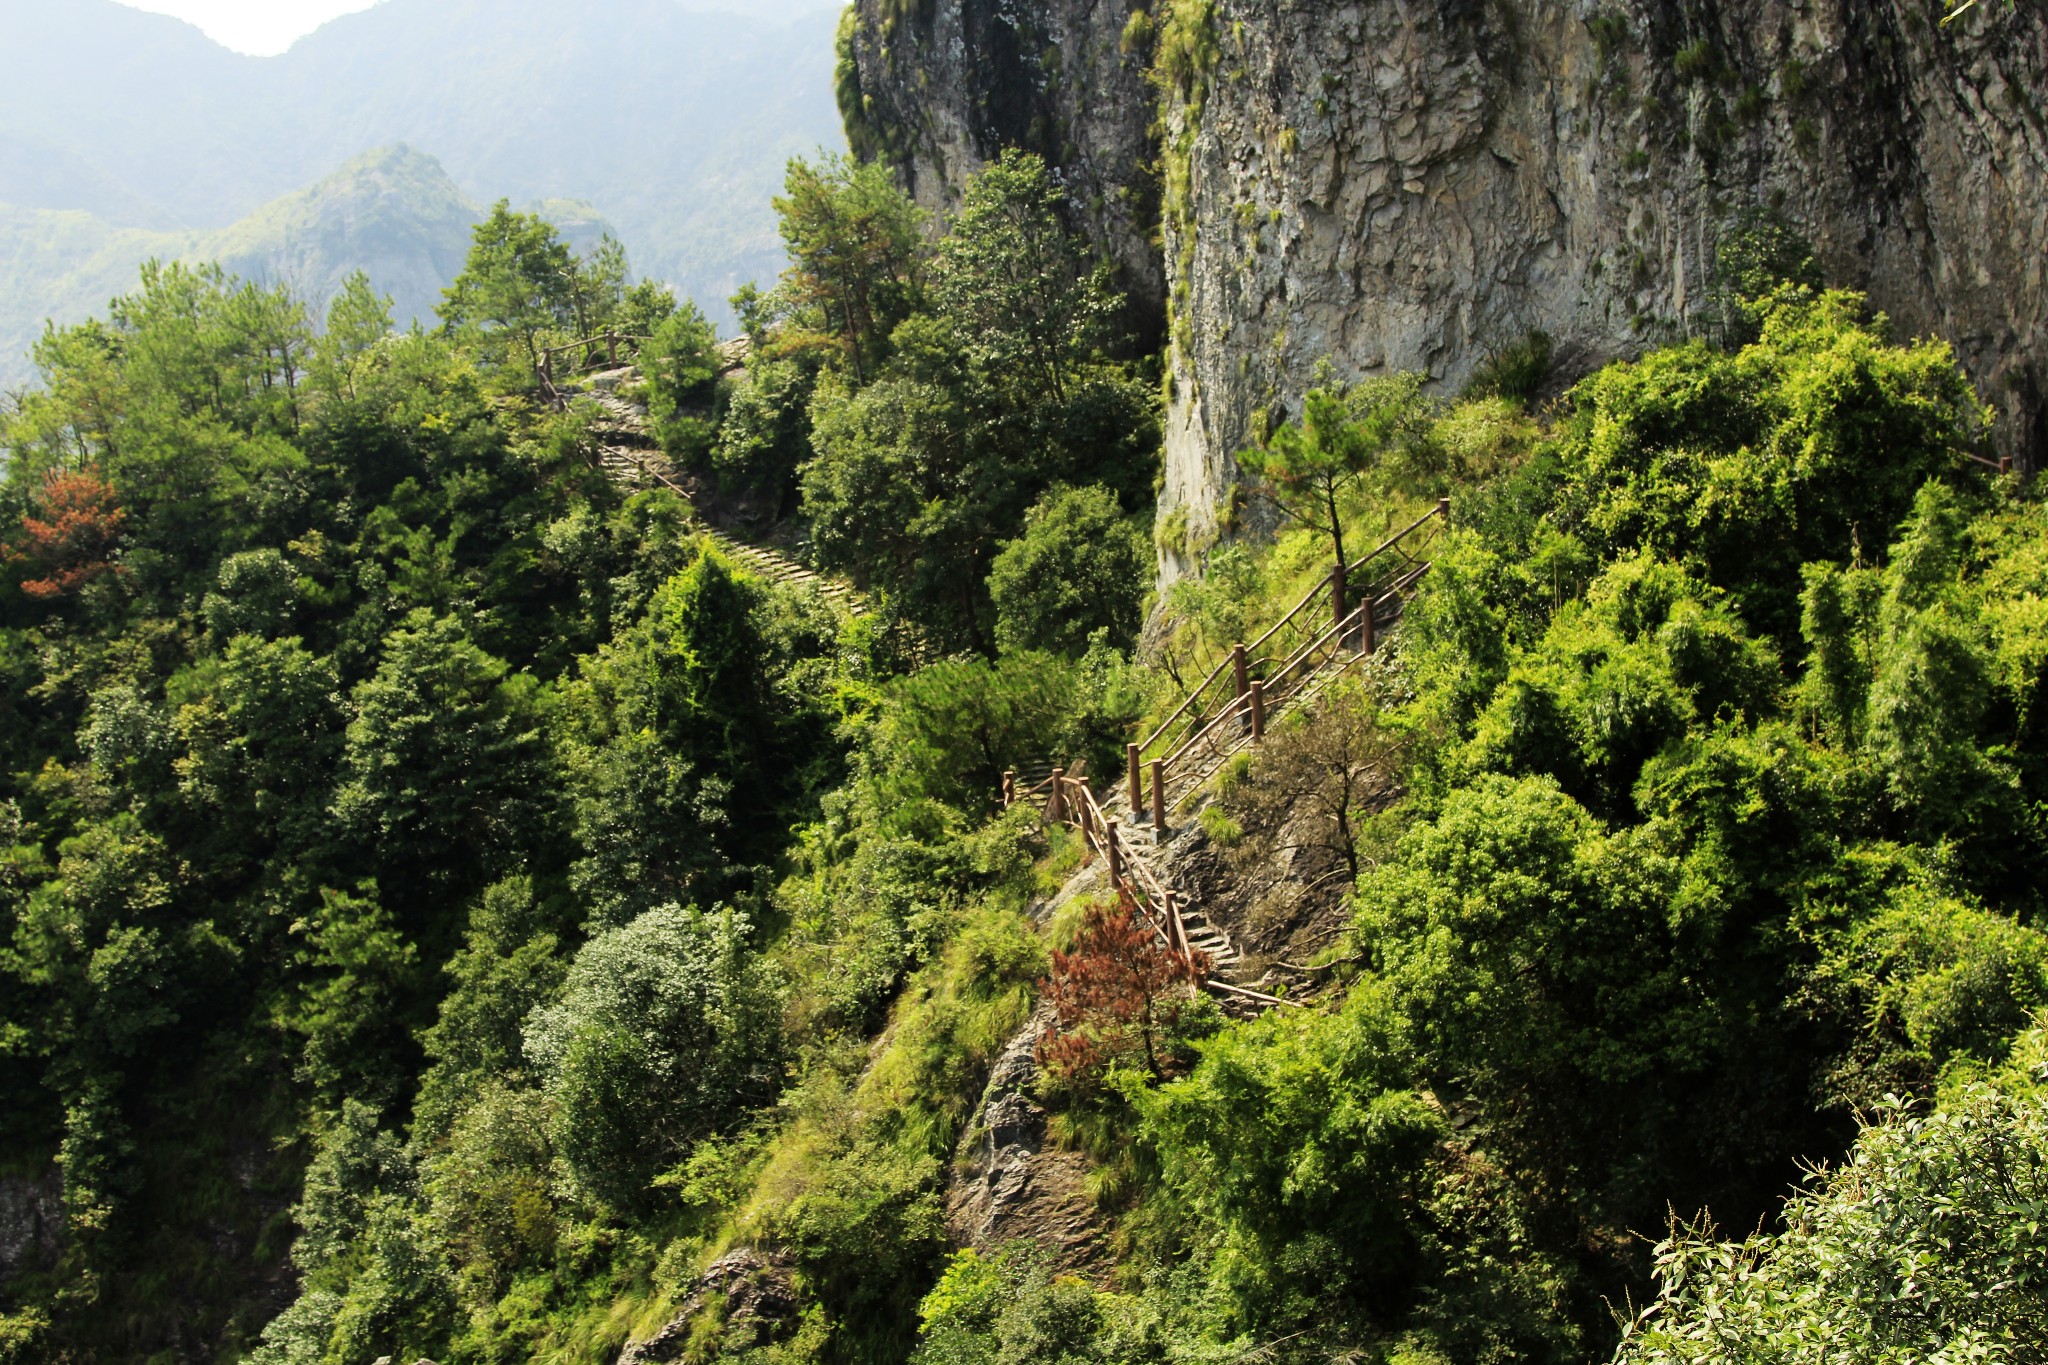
(1080, 567)
(443, 774)
(1015, 284)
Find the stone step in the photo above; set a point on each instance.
(641, 464)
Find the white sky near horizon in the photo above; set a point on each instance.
(261, 28)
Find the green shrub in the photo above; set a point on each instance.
(1926, 1245)
(681, 364)
(1754, 462)
(1080, 567)
(1221, 830)
(667, 1031)
(1515, 372)
(1299, 1147)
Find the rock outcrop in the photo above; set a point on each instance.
(754, 1297)
(1420, 184)
(1009, 1183)
(31, 1222)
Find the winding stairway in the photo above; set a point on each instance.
(629, 453)
(1285, 670)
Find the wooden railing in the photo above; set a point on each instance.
(1071, 802)
(1288, 665)
(1256, 681)
(545, 370)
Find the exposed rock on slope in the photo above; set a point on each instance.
(1406, 186)
(1009, 1182)
(942, 87)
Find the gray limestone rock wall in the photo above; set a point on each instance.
(941, 87)
(1418, 184)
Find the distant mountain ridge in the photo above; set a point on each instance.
(673, 119)
(394, 213)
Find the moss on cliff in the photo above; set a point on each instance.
(870, 131)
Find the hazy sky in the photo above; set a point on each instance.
(262, 27)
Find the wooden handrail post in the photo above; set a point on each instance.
(2005, 464)
(1368, 639)
(1136, 778)
(1171, 913)
(1158, 798)
(1009, 788)
(1087, 811)
(1115, 853)
(1258, 710)
(611, 341)
(1242, 666)
(1057, 811)
(1339, 608)
(1443, 509)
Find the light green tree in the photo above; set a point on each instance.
(668, 1031)
(519, 282)
(358, 321)
(1927, 1244)
(1310, 467)
(854, 241)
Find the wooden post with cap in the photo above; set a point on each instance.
(1009, 788)
(1158, 798)
(1057, 810)
(1136, 777)
(1115, 852)
(1258, 696)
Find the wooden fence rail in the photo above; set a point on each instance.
(1072, 802)
(1391, 566)
(1297, 653)
(1288, 665)
(545, 369)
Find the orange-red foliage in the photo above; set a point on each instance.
(68, 539)
(1115, 994)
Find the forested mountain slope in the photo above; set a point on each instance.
(392, 213)
(450, 911)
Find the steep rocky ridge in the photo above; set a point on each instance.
(1418, 185)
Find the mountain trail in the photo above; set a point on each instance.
(630, 455)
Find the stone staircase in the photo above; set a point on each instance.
(631, 456)
(1142, 842)
(1289, 668)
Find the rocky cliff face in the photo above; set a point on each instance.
(941, 87)
(1418, 185)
